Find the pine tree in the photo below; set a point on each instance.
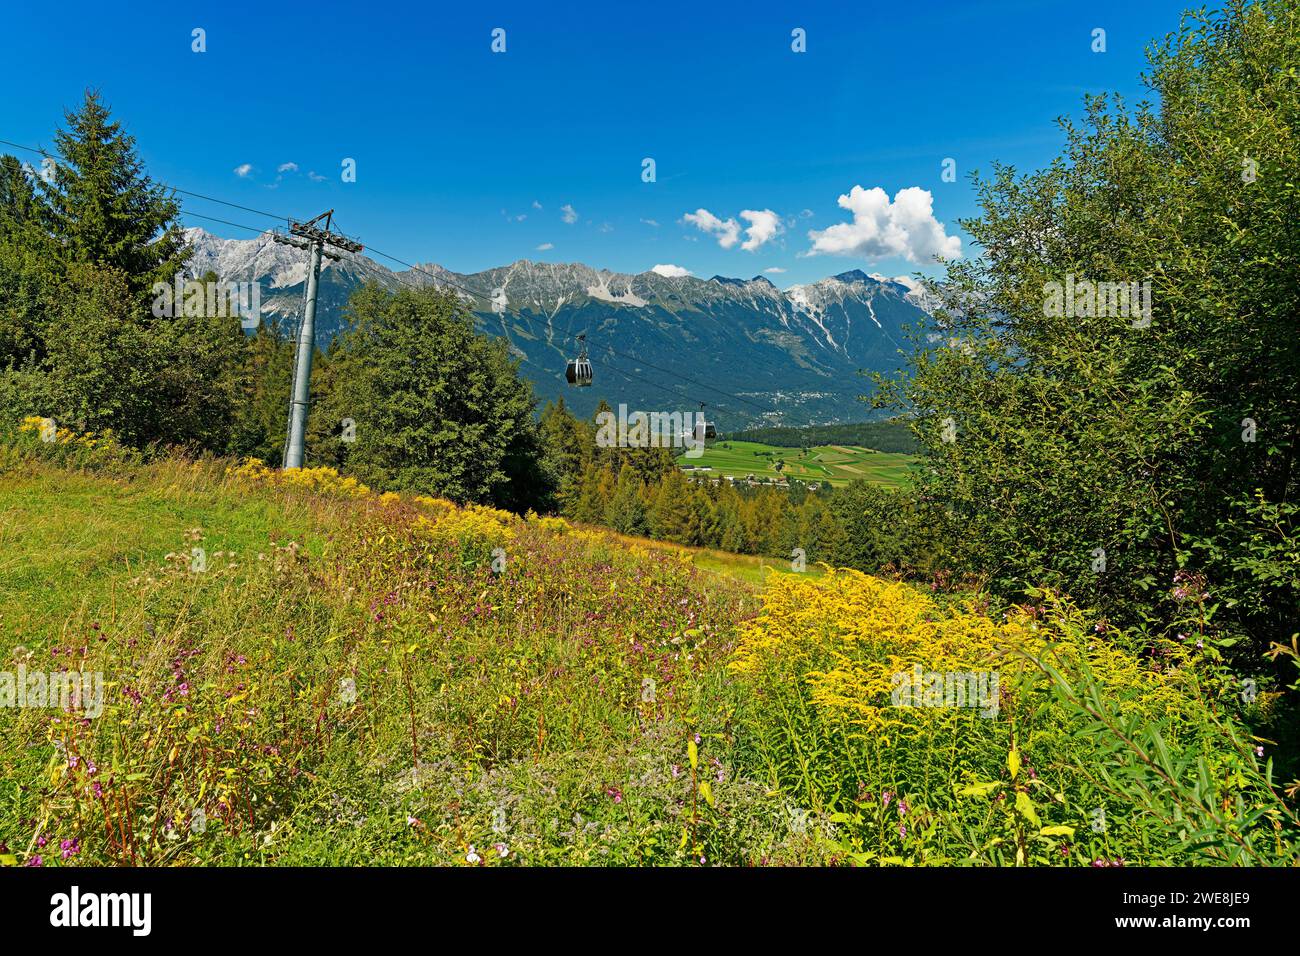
(626, 510)
(670, 513)
(26, 286)
(19, 206)
(568, 444)
(261, 416)
(731, 532)
(596, 489)
(701, 525)
(104, 208)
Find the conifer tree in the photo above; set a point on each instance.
(670, 513)
(102, 206)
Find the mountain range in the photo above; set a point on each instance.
(755, 354)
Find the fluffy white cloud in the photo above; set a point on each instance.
(545, 246)
(568, 214)
(287, 168)
(671, 271)
(881, 229)
(536, 204)
(727, 231)
(775, 270)
(764, 225)
(244, 170)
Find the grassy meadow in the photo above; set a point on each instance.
(834, 465)
(301, 670)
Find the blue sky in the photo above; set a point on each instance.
(469, 158)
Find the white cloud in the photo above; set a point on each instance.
(650, 222)
(545, 246)
(536, 204)
(287, 168)
(775, 270)
(764, 225)
(881, 229)
(570, 215)
(671, 271)
(315, 177)
(243, 171)
(727, 231)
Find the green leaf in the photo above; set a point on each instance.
(979, 789)
(1057, 831)
(1026, 808)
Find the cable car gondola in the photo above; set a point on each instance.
(578, 371)
(704, 429)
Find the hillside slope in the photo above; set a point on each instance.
(298, 670)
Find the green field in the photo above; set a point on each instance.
(836, 465)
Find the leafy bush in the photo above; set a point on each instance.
(1096, 747)
(37, 439)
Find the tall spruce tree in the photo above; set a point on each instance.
(102, 206)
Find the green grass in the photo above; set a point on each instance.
(475, 694)
(836, 465)
(69, 541)
(751, 568)
(352, 681)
